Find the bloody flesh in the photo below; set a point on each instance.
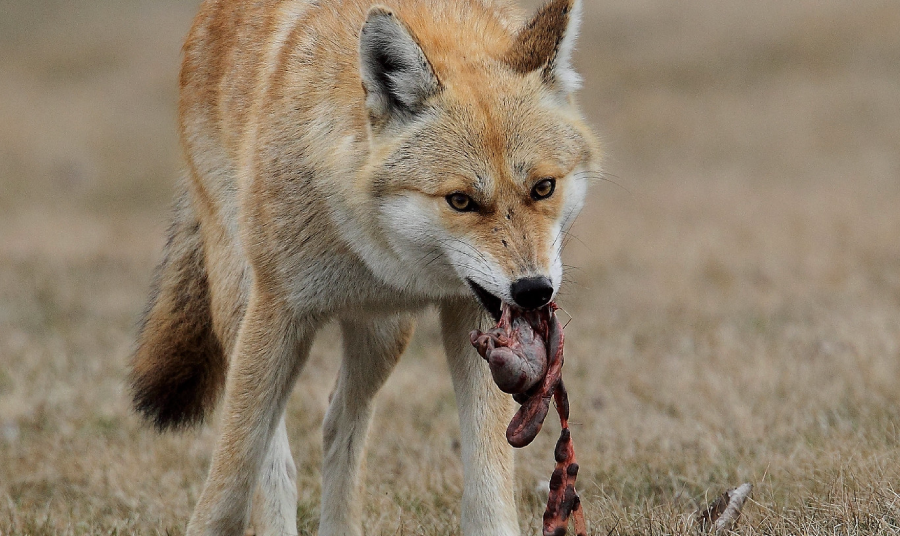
(525, 353)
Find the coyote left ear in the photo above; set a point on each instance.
(547, 42)
(396, 75)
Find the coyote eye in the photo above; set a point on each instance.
(461, 202)
(543, 189)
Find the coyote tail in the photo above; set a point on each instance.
(179, 366)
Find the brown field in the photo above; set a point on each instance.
(734, 288)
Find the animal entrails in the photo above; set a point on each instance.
(523, 342)
(356, 161)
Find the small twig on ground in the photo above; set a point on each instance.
(722, 514)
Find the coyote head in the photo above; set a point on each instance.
(480, 159)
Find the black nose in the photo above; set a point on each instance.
(532, 292)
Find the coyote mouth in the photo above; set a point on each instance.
(490, 302)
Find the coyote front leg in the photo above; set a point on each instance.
(488, 506)
(371, 349)
(275, 501)
(270, 350)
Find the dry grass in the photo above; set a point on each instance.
(735, 290)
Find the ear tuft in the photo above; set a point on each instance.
(547, 43)
(396, 75)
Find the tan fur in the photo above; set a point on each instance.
(537, 42)
(179, 366)
(322, 140)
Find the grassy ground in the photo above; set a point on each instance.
(734, 290)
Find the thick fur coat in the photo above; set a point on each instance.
(356, 162)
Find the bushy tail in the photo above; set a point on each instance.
(179, 367)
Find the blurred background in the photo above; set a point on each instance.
(733, 287)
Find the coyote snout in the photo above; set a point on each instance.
(532, 292)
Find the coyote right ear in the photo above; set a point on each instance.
(396, 75)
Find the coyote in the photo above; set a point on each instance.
(356, 161)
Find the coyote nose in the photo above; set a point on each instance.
(532, 292)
